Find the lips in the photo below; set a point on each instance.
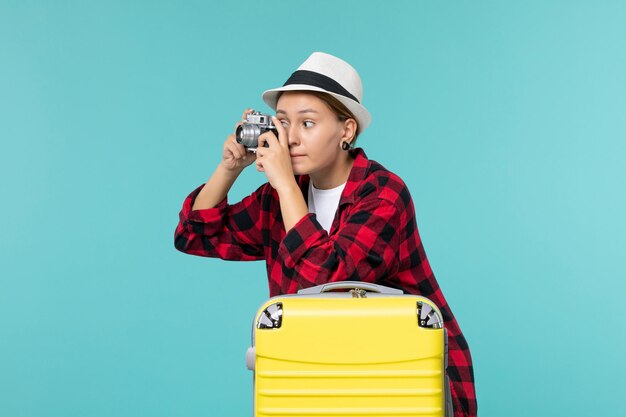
(295, 155)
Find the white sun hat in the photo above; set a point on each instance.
(328, 74)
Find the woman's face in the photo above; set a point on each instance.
(313, 131)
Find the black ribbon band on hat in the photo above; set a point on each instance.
(319, 80)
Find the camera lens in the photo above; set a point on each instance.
(248, 135)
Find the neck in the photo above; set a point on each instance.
(333, 176)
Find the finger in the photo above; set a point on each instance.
(233, 151)
(245, 114)
(280, 129)
(244, 117)
(261, 142)
(236, 148)
(269, 138)
(242, 149)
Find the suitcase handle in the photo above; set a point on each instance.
(340, 285)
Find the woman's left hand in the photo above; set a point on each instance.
(275, 160)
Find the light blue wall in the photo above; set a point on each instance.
(506, 119)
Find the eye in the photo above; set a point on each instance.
(308, 123)
(284, 123)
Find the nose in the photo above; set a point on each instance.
(292, 136)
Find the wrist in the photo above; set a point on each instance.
(288, 188)
(229, 172)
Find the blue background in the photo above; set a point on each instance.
(506, 120)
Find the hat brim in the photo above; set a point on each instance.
(361, 114)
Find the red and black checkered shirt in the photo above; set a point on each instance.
(373, 238)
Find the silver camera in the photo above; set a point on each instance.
(255, 125)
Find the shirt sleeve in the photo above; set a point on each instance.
(230, 232)
(364, 249)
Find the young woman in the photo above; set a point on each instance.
(327, 212)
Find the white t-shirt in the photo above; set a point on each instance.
(324, 204)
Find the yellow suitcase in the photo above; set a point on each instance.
(369, 351)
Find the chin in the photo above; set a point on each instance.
(299, 169)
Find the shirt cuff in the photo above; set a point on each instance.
(191, 219)
(300, 239)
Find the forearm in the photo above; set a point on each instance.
(365, 247)
(216, 188)
(292, 205)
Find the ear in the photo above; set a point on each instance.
(349, 131)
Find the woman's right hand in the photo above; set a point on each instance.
(235, 157)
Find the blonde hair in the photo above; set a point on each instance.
(336, 106)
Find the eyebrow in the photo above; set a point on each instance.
(301, 111)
